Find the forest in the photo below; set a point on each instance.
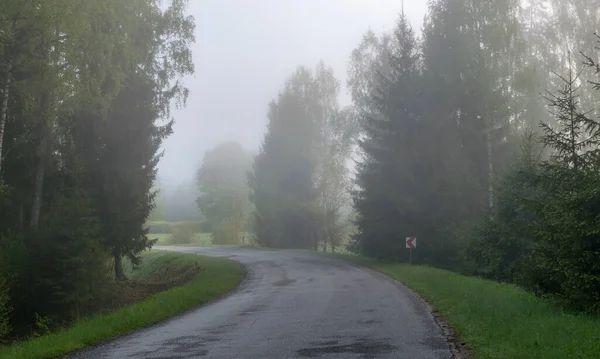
(87, 93)
(479, 137)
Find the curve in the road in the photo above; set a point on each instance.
(293, 305)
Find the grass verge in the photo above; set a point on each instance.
(218, 277)
(497, 320)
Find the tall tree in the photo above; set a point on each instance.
(474, 84)
(386, 176)
(129, 139)
(83, 85)
(125, 146)
(336, 141)
(282, 187)
(223, 186)
(289, 172)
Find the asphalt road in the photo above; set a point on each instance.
(293, 305)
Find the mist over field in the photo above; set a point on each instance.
(248, 62)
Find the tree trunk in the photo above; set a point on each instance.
(21, 216)
(38, 188)
(4, 112)
(118, 258)
(40, 171)
(490, 170)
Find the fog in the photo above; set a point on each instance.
(244, 52)
(448, 143)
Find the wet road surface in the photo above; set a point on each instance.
(292, 305)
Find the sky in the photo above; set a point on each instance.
(244, 52)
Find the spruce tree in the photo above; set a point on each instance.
(386, 175)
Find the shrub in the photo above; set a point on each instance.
(502, 247)
(58, 274)
(182, 233)
(225, 233)
(5, 309)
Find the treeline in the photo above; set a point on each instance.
(544, 233)
(87, 87)
(457, 146)
(463, 152)
(300, 184)
(176, 203)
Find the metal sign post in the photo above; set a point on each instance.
(411, 243)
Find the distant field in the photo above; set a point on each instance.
(199, 239)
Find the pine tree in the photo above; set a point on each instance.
(126, 148)
(387, 179)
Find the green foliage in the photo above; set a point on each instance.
(544, 234)
(382, 221)
(84, 86)
(3, 190)
(60, 274)
(182, 233)
(223, 186)
(440, 118)
(218, 277)
(5, 309)
(502, 247)
(226, 232)
(299, 171)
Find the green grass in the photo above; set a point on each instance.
(498, 320)
(199, 240)
(155, 262)
(219, 277)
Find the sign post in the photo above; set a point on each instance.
(411, 242)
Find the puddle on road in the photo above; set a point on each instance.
(189, 346)
(284, 282)
(370, 348)
(370, 321)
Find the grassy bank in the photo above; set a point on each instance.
(498, 320)
(217, 277)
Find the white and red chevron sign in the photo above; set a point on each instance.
(411, 242)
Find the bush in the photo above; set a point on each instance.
(5, 310)
(502, 247)
(225, 233)
(183, 233)
(545, 234)
(59, 274)
(569, 246)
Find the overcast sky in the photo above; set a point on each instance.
(244, 52)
